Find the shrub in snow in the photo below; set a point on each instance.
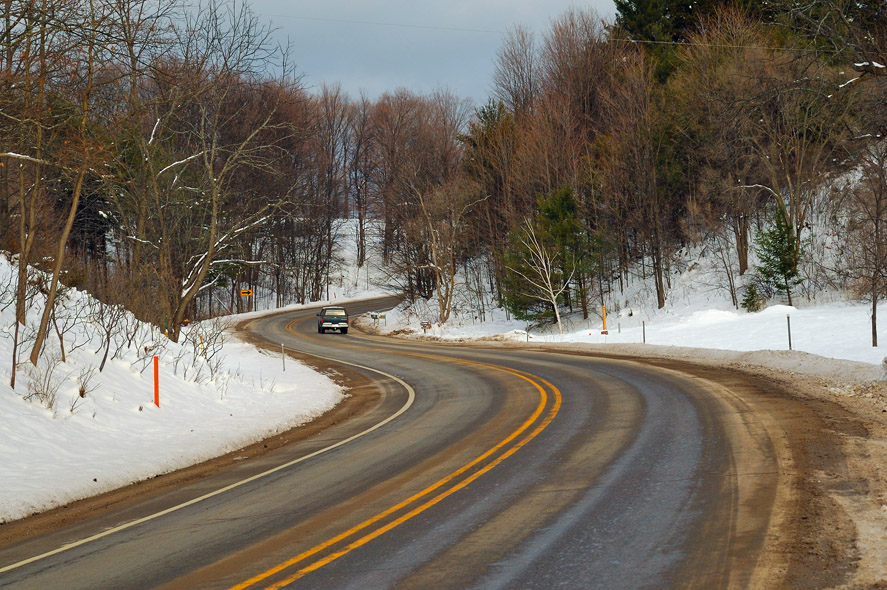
(44, 382)
(753, 300)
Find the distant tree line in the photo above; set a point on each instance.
(165, 157)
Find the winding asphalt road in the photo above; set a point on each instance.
(467, 467)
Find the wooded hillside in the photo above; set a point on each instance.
(164, 158)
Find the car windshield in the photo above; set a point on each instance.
(340, 312)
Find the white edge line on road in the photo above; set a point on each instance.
(411, 397)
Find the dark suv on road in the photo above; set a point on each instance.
(332, 318)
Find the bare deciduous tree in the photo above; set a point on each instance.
(706, 92)
(546, 276)
(86, 150)
(516, 79)
(636, 158)
(797, 126)
(866, 248)
(443, 216)
(361, 169)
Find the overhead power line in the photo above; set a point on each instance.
(383, 24)
(720, 45)
(495, 32)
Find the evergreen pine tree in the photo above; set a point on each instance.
(752, 301)
(778, 257)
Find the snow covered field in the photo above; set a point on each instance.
(837, 331)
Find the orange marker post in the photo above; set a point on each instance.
(157, 381)
(604, 308)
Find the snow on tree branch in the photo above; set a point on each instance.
(25, 158)
(154, 130)
(872, 68)
(219, 245)
(174, 164)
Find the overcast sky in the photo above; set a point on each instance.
(420, 45)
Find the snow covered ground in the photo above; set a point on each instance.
(51, 454)
(115, 435)
(696, 315)
(829, 341)
(57, 446)
(835, 330)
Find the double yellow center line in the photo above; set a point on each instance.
(312, 559)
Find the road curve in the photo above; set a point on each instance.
(470, 468)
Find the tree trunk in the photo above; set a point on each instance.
(361, 230)
(57, 268)
(61, 337)
(583, 295)
(657, 275)
(740, 231)
(14, 355)
(733, 298)
(557, 313)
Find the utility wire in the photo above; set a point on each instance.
(721, 45)
(492, 31)
(383, 24)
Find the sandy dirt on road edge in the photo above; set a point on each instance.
(842, 527)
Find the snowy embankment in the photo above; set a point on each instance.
(216, 395)
(831, 340)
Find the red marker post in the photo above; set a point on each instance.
(157, 381)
